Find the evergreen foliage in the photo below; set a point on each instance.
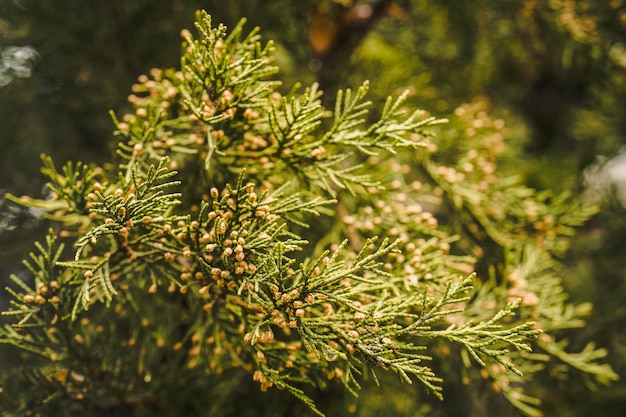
(246, 235)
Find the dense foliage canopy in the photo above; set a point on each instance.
(544, 83)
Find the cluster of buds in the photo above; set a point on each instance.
(267, 336)
(159, 89)
(224, 243)
(44, 293)
(518, 289)
(546, 228)
(475, 169)
(229, 259)
(260, 377)
(403, 219)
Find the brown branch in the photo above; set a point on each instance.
(334, 38)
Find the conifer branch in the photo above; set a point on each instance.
(141, 199)
(212, 248)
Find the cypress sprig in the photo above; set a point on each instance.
(36, 306)
(488, 338)
(247, 232)
(141, 200)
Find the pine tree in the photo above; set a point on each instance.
(250, 252)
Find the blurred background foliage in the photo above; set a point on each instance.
(554, 70)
